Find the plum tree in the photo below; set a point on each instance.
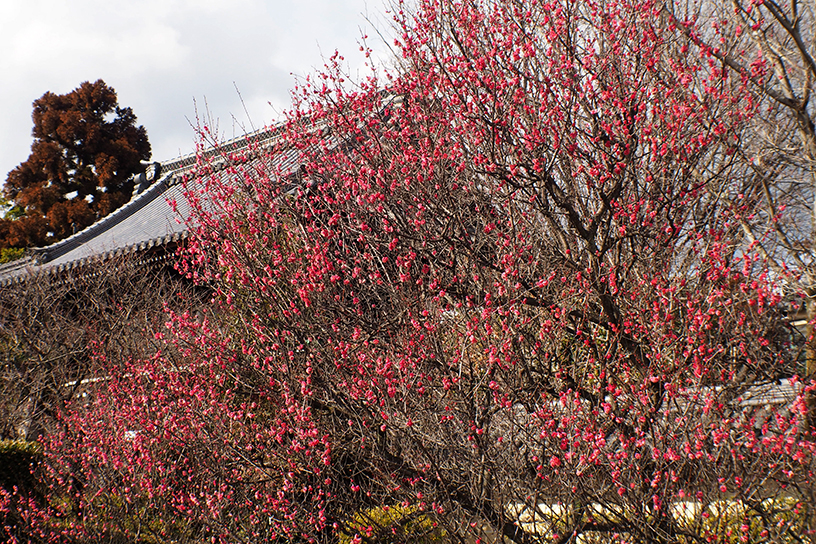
(499, 294)
(769, 46)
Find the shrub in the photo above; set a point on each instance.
(391, 525)
(18, 458)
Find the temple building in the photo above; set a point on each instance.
(148, 227)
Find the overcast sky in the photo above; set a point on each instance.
(162, 55)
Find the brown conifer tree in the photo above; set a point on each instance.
(86, 147)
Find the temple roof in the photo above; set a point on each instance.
(147, 220)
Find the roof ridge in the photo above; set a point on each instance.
(234, 144)
(45, 254)
(173, 168)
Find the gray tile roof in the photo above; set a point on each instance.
(147, 220)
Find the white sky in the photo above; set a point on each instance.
(162, 55)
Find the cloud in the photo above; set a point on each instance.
(160, 55)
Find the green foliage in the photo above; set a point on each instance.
(142, 521)
(8, 210)
(730, 522)
(8, 254)
(393, 524)
(17, 459)
(16, 212)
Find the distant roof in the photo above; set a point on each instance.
(147, 220)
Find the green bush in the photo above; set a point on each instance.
(782, 519)
(8, 254)
(392, 525)
(17, 460)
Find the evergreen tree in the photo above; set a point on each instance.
(86, 148)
